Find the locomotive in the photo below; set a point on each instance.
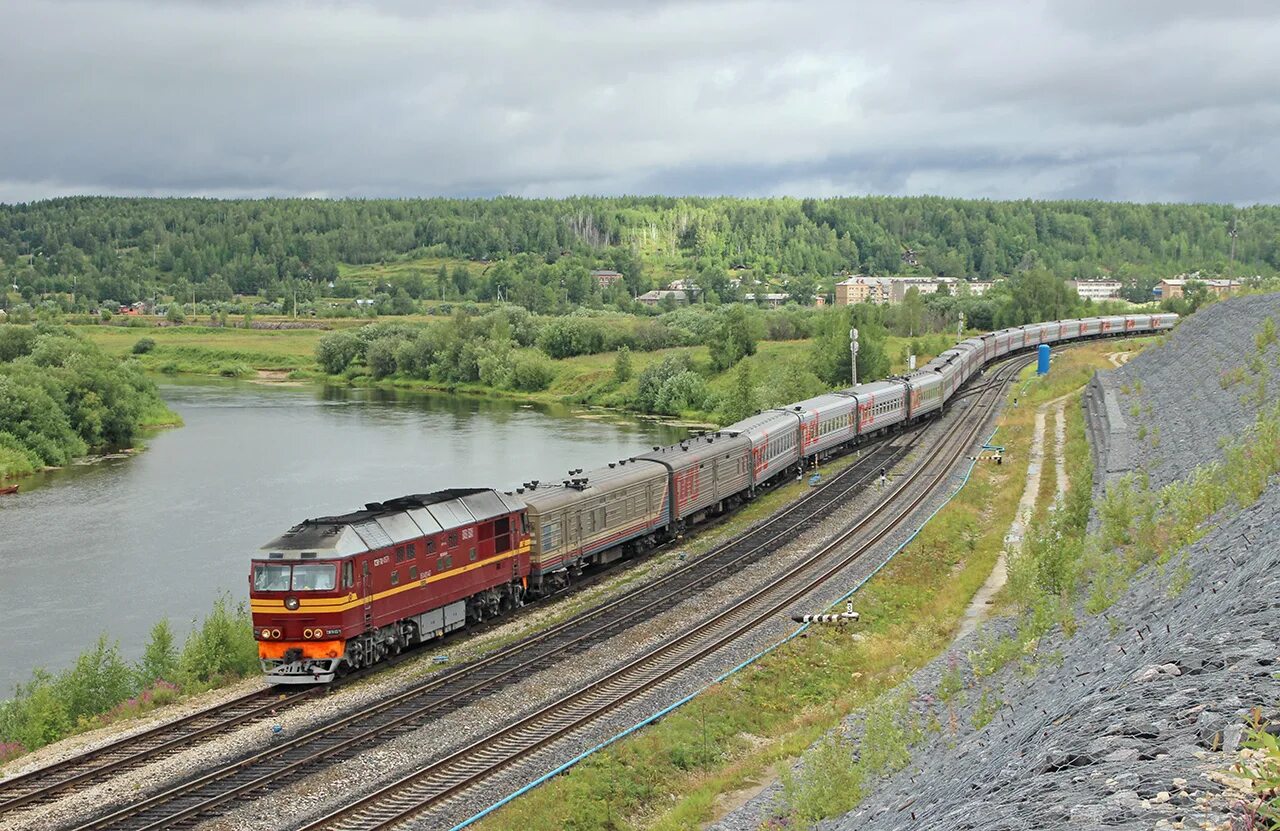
(343, 592)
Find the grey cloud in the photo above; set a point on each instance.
(1143, 100)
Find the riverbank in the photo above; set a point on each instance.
(64, 400)
(779, 369)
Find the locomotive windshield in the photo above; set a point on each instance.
(309, 577)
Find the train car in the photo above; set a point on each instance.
(826, 422)
(346, 591)
(1137, 323)
(1005, 343)
(1088, 327)
(707, 474)
(593, 518)
(924, 392)
(1113, 324)
(881, 405)
(775, 443)
(1162, 322)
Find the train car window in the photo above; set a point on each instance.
(348, 574)
(413, 572)
(411, 550)
(431, 546)
(399, 553)
(473, 553)
(395, 578)
(453, 538)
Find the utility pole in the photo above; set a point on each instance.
(1233, 233)
(853, 354)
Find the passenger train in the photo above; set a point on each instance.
(343, 592)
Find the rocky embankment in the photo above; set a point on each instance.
(1137, 719)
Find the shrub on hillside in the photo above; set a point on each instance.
(143, 345)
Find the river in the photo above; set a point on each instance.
(115, 546)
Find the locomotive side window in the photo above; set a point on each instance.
(314, 577)
(413, 572)
(431, 546)
(270, 578)
(348, 574)
(395, 578)
(411, 550)
(473, 553)
(399, 553)
(453, 538)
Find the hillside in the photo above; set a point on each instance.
(127, 249)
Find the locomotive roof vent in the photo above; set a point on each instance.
(797, 408)
(613, 464)
(709, 440)
(276, 555)
(308, 555)
(519, 490)
(534, 483)
(373, 506)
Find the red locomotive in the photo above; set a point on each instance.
(346, 591)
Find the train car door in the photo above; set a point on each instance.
(366, 591)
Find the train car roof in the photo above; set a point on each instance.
(874, 388)
(762, 419)
(820, 402)
(381, 524)
(547, 496)
(696, 449)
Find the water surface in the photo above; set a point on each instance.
(113, 547)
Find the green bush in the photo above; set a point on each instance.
(380, 357)
(531, 371)
(336, 351)
(143, 345)
(220, 647)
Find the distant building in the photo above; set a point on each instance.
(862, 289)
(925, 285)
(653, 298)
(772, 300)
(690, 288)
(976, 288)
(607, 279)
(1176, 287)
(1096, 289)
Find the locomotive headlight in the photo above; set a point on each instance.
(266, 633)
(306, 633)
(275, 633)
(291, 603)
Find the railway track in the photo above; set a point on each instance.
(433, 787)
(131, 752)
(449, 691)
(209, 793)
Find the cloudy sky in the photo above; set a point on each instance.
(1151, 100)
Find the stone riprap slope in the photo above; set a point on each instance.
(1132, 728)
(1136, 721)
(1178, 402)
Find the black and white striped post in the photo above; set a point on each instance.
(847, 616)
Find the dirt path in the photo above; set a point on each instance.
(982, 599)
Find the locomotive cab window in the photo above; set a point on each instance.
(314, 577)
(348, 574)
(270, 578)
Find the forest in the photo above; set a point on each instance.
(539, 253)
